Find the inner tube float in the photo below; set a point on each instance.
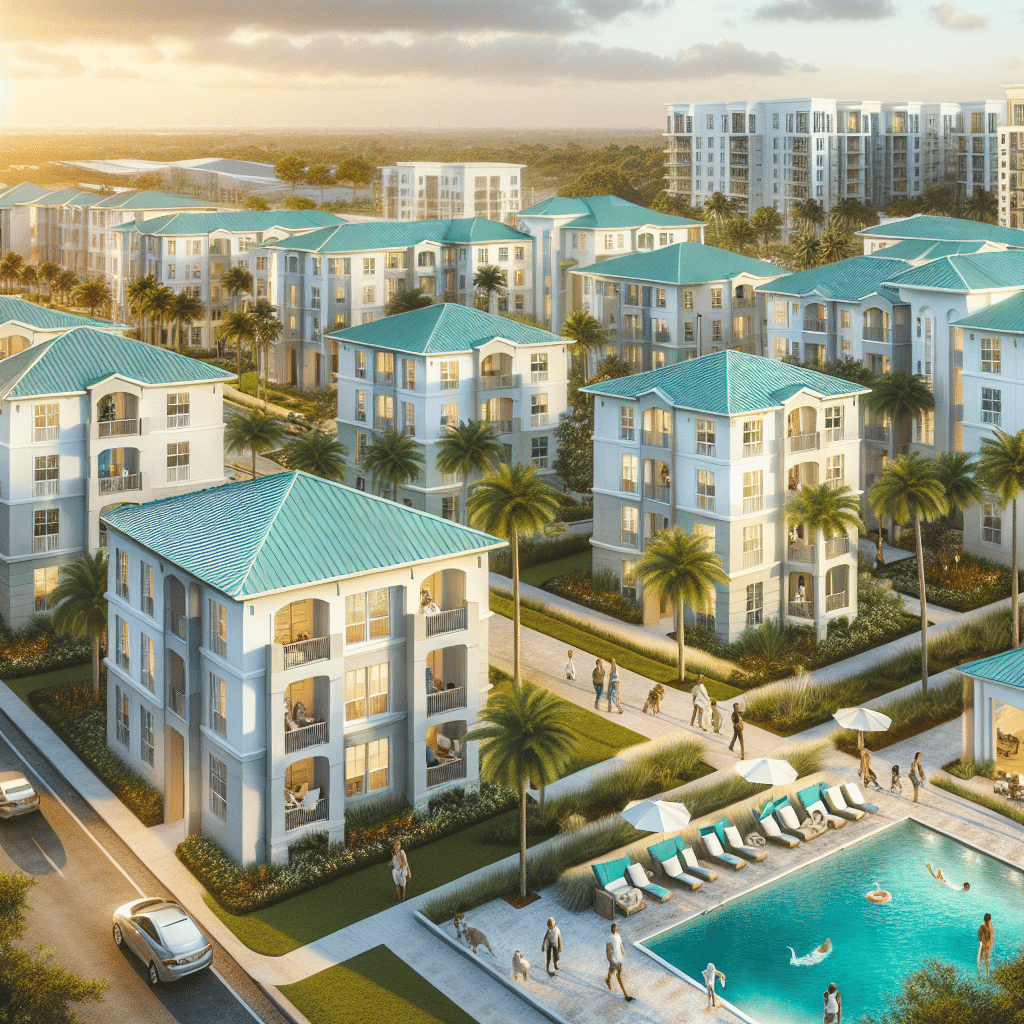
(878, 896)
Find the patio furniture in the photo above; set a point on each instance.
(716, 853)
(811, 799)
(790, 824)
(611, 880)
(688, 859)
(855, 798)
(640, 878)
(665, 858)
(770, 828)
(1006, 743)
(836, 803)
(1001, 788)
(729, 837)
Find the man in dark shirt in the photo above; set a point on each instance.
(737, 730)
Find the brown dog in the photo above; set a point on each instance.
(473, 937)
(654, 699)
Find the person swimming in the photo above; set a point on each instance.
(812, 958)
(940, 877)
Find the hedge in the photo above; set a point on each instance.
(579, 588)
(988, 802)
(537, 552)
(35, 648)
(985, 583)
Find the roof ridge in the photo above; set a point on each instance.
(244, 574)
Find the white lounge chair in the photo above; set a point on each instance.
(836, 803)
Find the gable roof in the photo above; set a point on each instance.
(604, 212)
(918, 249)
(845, 281)
(289, 530)
(444, 327)
(23, 193)
(21, 311)
(233, 220)
(682, 263)
(725, 383)
(1007, 668)
(77, 359)
(1006, 316)
(978, 271)
(149, 200)
(945, 229)
(63, 196)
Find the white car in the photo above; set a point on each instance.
(163, 937)
(16, 795)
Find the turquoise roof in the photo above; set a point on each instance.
(917, 249)
(978, 271)
(682, 263)
(1006, 316)
(289, 530)
(725, 383)
(33, 315)
(946, 229)
(74, 361)
(1007, 667)
(444, 327)
(23, 193)
(148, 200)
(233, 220)
(61, 197)
(604, 212)
(846, 281)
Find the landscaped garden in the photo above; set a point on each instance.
(960, 582)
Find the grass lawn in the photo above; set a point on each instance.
(373, 987)
(24, 686)
(538, 575)
(275, 397)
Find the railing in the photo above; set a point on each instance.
(628, 538)
(131, 482)
(707, 448)
(45, 433)
(632, 334)
(450, 385)
(835, 482)
(833, 435)
(176, 701)
(302, 652)
(802, 609)
(176, 623)
(627, 433)
(706, 502)
(801, 552)
(489, 382)
(872, 432)
(147, 604)
(447, 772)
(147, 679)
(817, 326)
(117, 428)
(504, 426)
(743, 303)
(42, 487)
(876, 334)
(627, 486)
(178, 419)
(752, 449)
(383, 377)
(178, 473)
(754, 503)
(834, 601)
(383, 422)
(219, 646)
(538, 419)
(804, 442)
(836, 546)
(305, 815)
(123, 661)
(662, 338)
(752, 558)
(305, 736)
(446, 700)
(48, 542)
(447, 621)
(659, 492)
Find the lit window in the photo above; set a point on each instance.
(755, 604)
(218, 705)
(367, 616)
(218, 787)
(991, 523)
(991, 356)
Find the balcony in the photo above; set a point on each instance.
(804, 442)
(836, 546)
(304, 652)
(754, 503)
(45, 433)
(876, 433)
(180, 419)
(876, 334)
(835, 482)
(492, 382)
(707, 448)
(659, 492)
(302, 737)
(505, 426)
(447, 771)
(125, 482)
(816, 326)
(299, 816)
(834, 601)
(628, 486)
(538, 376)
(801, 552)
(446, 700)
(801, 609)
(384, 377)
(628, 538)
(752, 449)
(117, 428)
(662, 338)
(176, 623)
(448, 621)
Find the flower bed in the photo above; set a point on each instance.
(973, 583)
(578, 587)
(36, 648)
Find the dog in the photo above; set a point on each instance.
(473, 936)
(520, 965)
(654, 699)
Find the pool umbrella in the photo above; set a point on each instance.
(863, 720)
(767, 771)
(657, 816)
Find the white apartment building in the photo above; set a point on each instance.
(90, 420)
(331, 279)
(24, 323)
(428, 190)
(578, 232)
(1011, 160)
(18, 222)
(272, 669)
(675, 302)
(423, 371)
(716, 445)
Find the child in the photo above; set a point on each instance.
(716, 718)
(896, 787)
(570, 668)
(654, 699)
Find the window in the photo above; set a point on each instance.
(659, 298)
(991, 356)
(450, 375)
(366, 767)
(409, 374)
(146, 588)
(503, 254)
(369, 265)
(172, 247)
(45, 580)
(705, 490)
(991, 523)
(121, 708)
(991, 407)
(753, 491)
(629, 474)
(844, 318)
(45, 530)
(519, 252)
(834, 470)
(218, 787)
(218, 705)
(538, 410)
(123, 652)
(146, 744)
(706, 437)
(753, 545)
(47, 475)
(47, 422)
(450, 414)
(147, 650)
(218, 629)
(367, 616)
(121, 574)
(687, 300)
(539, 452)
(177, 410)
(629, 519)
(716, 330)
(366, 691)
(177, 461)
(450, 507)
(752, 439)
(627, 423)
(716, 298)
(482, 256)
(194, 247)
(361, 406)
(369, 295)
(755, 604)
(538, 367)
(833, 423)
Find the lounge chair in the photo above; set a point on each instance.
(716, 853)
(611, 878)
(729, 836)
(688, 859)
(640, 878)
(811, 799)
(789, 823)
(667, 863)
(834, 801)
(855, 798)
(769, 828)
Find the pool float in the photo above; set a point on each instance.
(878, 895)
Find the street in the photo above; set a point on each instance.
(84, 872)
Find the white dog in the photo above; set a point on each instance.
(520, 965)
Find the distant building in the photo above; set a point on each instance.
(1011, 160)
(18, 222)
(429, 190)
(24, 323)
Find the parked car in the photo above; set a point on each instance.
(164, 937)
(16, 795)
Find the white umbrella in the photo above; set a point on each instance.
(863, 720)
(767, 771)
(657, 816)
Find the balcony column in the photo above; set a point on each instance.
(820, 571)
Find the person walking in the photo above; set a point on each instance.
(400, 873)
(716, 718)
(570, 668)
(696, 710)
(598, 678)
(613, 686)
(916, 774)
(737, 730)
(866, 772)
(986, 940)
(551, 945)
(833, 1012)
(711, 974)
(614, 951)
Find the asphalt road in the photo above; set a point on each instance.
(84, 872)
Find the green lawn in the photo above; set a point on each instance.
(373, 987)
(538, 575)
(24, 686)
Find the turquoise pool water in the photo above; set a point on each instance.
(874, 947)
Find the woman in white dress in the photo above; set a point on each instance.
(400, 872)
(710, 975)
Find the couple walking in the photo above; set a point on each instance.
(704, 708)
(613, 684)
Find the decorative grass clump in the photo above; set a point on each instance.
(966, 770)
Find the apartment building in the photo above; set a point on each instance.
(716, 445)
(274, 668)
(90, 420)
(571, 232)
(24, 323)
(951, 235)
(424, 371)
(663, 305)
(332, 279)
(1011, 160)
(18, 221)
(429, 190)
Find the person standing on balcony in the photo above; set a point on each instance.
(400, 872)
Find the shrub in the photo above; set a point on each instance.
(601, 595)
(37, 648)
(999, 806)
(968, 769)
(960, 586)
(570, 511)
(533, 551)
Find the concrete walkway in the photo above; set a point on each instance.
(867, 549)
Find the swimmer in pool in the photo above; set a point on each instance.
(812, 958)
(940, 877)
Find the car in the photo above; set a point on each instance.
(163, 937)
(16, 795)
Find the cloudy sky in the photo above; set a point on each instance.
(482, 63)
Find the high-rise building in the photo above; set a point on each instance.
(428, 190)
(1011, 160)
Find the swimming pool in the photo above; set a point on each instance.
(874, 947)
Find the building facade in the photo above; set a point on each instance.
(18, 221)
(1011, 160)
(268, 693)
(428, 190)
(24, 323)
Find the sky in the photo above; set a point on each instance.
(350, 64)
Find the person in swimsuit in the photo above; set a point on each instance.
(833, 1006)
(986, 940)
(940, 877)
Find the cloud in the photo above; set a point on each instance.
(950, 16)
(825, 10)
(35, 62)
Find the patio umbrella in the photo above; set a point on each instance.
(863, 720)
(657, 816)
(767, 771)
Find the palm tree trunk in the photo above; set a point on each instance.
(681, 654)
(516, 630)
(1014, 611)
(522, 839)
(96, 667)
(238, 356)
(924, 605)
(465, 499)
(254, 462)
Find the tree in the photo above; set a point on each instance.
(717, 209)
(806, 251)
(140, 297)
(29, 277)
(318, 454)
(11, 267)
(910, 491)
(255, 431)
(92, 295)
(149, 182)
(48, 272)
(526, 736)
(81, 604)
(663, 202)
(239, 329)
(902, 398)
(958, 474)
(737, 235)
(767, 223)
(465, 449)
(65, 282)
(602, 181)
(512, 503)
(588, 336)
(238, 281)
(319, 176)
(407, 300)
(1001, 471)
(290, 169)
(185, 310)
(256, 203)
(323, 406)
(161, 302)
(267, 328)
(982, 205)
(836, 245)
(489, 279)
(356, 170)
(298, 203)
(939, 200)
(810, 213)
(678, 566)
(392, 459)
(851, 215)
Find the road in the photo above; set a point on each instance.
(84, 872)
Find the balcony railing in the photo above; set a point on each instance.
(176, 700)
(752, 449)
(383, 377)
(45, 433)
(128, 482)
(306, 815)
(628, 538)
(177, 623)
(305, 736)
(449, 771)
(303, 652)
(538, 376)
(178, 473)
(754, 503)
(659, 492)
(835, 546)
(123, 661)
(876, 334)
(42, 487)
(538, 419)
(662, 338)
(833, 435)
(446, 700)
(147, 604)
(117, 428)
(627, 486)
(834, 601)
(752, 558)
(801, 552)
(490, 382)
(178, 419)
(707, 448)
(706, 502)
(802, 609)
(657, 438)
(873, 432)
(804, 442)
(447, 621)
(817, 326)
(627, 433)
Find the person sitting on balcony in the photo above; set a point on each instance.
(432, 761)
(299, 715)
(427, 604)
(665, 478)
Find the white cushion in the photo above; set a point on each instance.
(713, 845)
(770, 826)
(788, 816)
(835, 794)
(618, 885)
(819, 807)
(443, 743)
(310, 799)
(637, 875)
(854, 790)
(690, 858)
(672, 867)
(732, 836)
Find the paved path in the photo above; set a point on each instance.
(867, 550)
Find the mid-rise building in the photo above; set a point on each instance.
(951, 235)
(425, 371)
(271, 663)
(1011, 160)
(432, 190)
(90, 420)
(24, 323)
(716, 445)
(18, 221)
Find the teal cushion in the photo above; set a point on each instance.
(657, 891)
(720, 827)
(610, 870)
(708, 829)
(680, 844)
(663, 851)
(809, 796)
(730, 858)
(766, 811)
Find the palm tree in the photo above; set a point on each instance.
(512, 503)
(91, 295)
(806, 251)
(318, 454)
(11, 267)
(526, 737)
(810, 213)
(716, 209)
(29, 276)
(901, 397)
(140, 295)
(939, 200)
(238, 281)
(737, 235)
(850, 215)
(48, 272)
(393, 459)
(910, 490)
(254, 431)
(767, 222)
(959, 480)
(160, 303)
(81, 600)
(587, 334)
(488, 280)
(679, 566)
(465, 449)
(238, 328)
(267, 329)
(65, 282)
(1001, 471)
(982, 205)
(407, 300)
(184, 311)
(836, 245)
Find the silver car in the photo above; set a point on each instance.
(16, 795)
(164, 937)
